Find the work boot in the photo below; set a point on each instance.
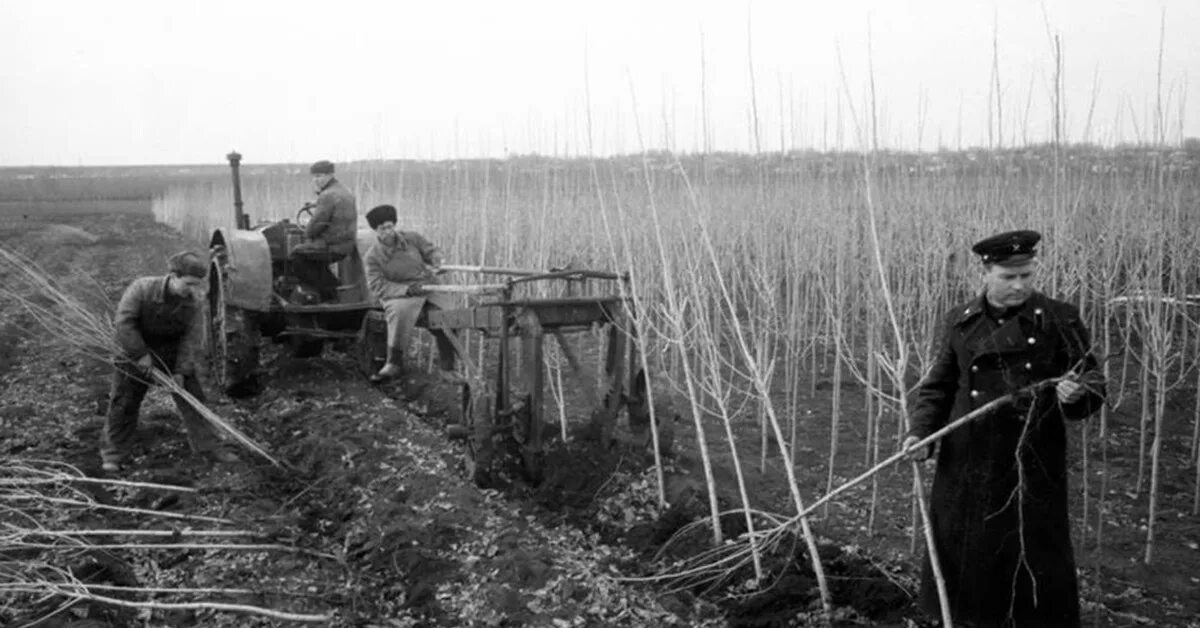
(113, 460)
(393, 368)
(389, 371)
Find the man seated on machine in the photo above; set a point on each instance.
(397, 265)
(330, 233)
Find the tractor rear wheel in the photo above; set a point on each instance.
(233, 336)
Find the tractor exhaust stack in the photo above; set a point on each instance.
(241, 220)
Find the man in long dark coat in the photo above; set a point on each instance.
(999, 500)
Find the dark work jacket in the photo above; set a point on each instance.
(991, 538)
(335, 218)
(152, 320)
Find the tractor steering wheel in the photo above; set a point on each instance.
(305, 214)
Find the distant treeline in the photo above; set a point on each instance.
(129, 183)
(99, 183)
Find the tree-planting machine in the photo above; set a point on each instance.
(500, 333)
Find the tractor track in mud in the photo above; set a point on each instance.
(580, 490)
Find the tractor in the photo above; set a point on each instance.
(254, 295)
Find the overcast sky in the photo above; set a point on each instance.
(167, 81)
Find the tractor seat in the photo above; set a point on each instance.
(352, 279)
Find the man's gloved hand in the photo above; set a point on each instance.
(178, 377)
(416, 289)
(916, 454)
(1069, 390)
(146, 364)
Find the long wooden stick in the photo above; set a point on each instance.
(30, 588)
(924, 442)
(213, 418)
(247, 547)
(61, 479)
(446, 288)
(776, 534)
(139, 511)
(931, 546)
(491, 270)
(216, 606)
(154, 533)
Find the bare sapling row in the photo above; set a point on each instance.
(781, 249)
(808, 232)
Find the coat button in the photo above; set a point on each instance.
(1032, 340)
(974, 368)
(1037, 310)
(1028, 366)
(974, 393)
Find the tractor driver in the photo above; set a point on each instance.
(330, 232)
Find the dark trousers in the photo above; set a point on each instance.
(310, 263)
(441, 338)
(403, 314)
(129, 388)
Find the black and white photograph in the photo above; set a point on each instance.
(561, 314)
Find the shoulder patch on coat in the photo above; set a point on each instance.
(965, 312)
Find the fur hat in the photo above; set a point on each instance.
(321, 167)
(381, 214)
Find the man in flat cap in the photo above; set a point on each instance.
(397, 265)
(160, 325)
(999, 498)
(330, 232)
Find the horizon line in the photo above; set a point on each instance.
(1185, 144)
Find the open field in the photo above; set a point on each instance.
(52, 208)
(758, 285)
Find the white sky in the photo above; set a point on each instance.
(97, 82)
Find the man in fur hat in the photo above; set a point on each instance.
(397, 265)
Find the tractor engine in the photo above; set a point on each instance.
(282, 237)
